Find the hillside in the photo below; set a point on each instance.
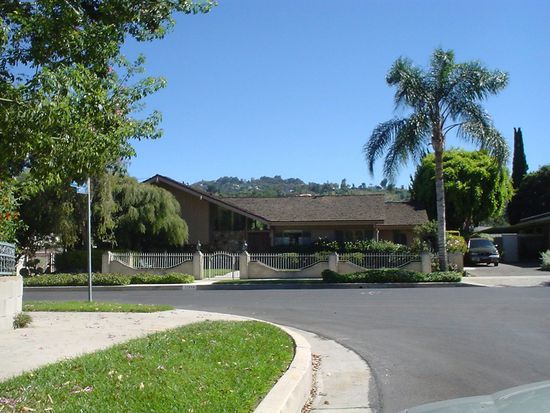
(276, 186)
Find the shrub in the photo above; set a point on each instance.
(387, 275)
(456, 243)
(21, 320)
(366, 246)
(76, 280)
(545, 261)
(171, 278)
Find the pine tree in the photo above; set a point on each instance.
(519, 165)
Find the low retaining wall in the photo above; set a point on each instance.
(118, 267)
(259, 270)
(345, 267)
(456, 260)
(11, 300)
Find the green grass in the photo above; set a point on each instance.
(94, 306)
(208, 367)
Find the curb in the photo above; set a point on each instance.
(263, 286)
(292, 390)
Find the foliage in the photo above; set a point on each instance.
(196, 368)
(50, 280)
(477, 187)
(9, 216)
(456, 243)
(444, 97)
(146, 217)
(369, 246)
(277, 186)
(170, 278)
(532, 197)
(390, 276)
(67, 105)
(76, 261)
(519, 162)
(21, 320)
(545, 260)
(93, 306)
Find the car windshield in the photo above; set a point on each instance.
(481, 243)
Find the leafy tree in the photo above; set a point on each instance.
(444, 97)
(477, 187)
(532, 197)
(519, 163)
(67, 105)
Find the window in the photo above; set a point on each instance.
(399, 237)
(350, 235)
(291, 238)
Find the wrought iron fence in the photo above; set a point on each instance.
(153, 260)
(379, 260)
(290, 260)
(220, 263)
(7, 259)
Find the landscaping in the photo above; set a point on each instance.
(94, 306)
(390, 276)
(195, 368)
(49, 280)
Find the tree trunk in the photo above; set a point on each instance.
(440, 204)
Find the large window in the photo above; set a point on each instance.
(350, 235)
(225, 220)
(291, 238)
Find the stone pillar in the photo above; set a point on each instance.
(106, 262)
(11, 300)
(426, 261)
(244, 259)
(198, 265)
(333, 262)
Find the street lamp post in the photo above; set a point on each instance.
(89, 240)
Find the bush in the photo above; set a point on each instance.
(51, 280)
(366, 246)
(545, 261)
(76, 280)
(456, 243)
(76, 261)
(171, 278)
(387, 275)
(21, 320)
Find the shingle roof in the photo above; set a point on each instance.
(403, 213)
(315, 208)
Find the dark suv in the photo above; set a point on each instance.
(482, 250)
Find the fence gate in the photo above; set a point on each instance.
(220, 263)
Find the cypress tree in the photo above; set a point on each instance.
(519, 164)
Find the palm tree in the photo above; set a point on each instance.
(445, 97)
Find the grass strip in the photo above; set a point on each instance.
(208, 367)
(274, 281)
(94, 306)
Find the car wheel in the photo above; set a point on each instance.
(496, 264)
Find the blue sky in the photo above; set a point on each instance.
(295, 87)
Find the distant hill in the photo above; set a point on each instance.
(276, 186)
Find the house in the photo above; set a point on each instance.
(290, 221)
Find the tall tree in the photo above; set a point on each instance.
(519, 163)
(532, 197)
(444, 97)
(476, 187)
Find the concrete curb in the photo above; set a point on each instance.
(292, 390)
(262, 286)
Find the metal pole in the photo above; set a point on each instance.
(89, 241)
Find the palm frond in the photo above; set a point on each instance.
(381, 137)
(410, 83)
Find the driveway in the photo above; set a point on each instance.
(423, 344)
(506, 270)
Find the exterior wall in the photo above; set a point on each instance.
(11, 300)
(259, 270)
(345, 267)
(196, 212)
(456, 259)
(387, 234)
(118, 267)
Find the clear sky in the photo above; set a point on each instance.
(295, 87)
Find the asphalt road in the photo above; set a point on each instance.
(423, 344)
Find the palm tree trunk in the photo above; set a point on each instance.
(440, 205)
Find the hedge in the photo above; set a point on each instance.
(106, 279)
(390, 276)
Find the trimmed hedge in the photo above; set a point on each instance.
(390, 276)
(106, 279)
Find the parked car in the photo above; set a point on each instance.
(482, 250)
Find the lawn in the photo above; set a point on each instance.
(94, 306)
(208, 367)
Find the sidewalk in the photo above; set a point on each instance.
(343, 378)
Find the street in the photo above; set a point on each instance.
(423, 344)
